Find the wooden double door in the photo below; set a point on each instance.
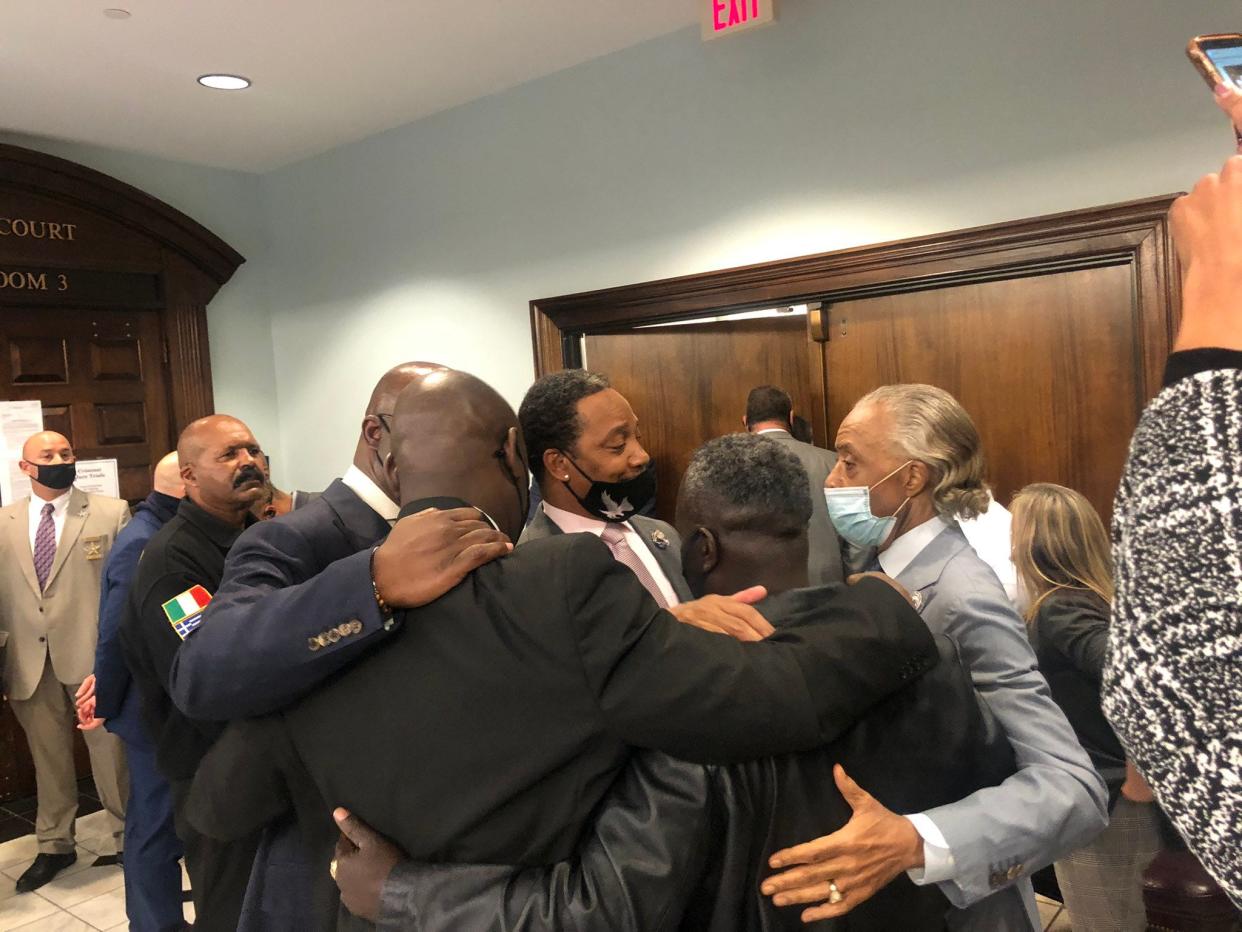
(100, 378)
(1051, 333)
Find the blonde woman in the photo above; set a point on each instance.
(1061, 551)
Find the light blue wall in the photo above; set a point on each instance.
(844, 123)
(230, 205)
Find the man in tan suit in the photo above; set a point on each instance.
(52, 552)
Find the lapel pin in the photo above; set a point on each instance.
(659, 539)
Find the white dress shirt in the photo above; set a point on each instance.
(989, 534)
(60, 504)
(938, 863)
(571, 523)
(371, 494)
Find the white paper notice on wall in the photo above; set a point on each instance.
(725, 17)
(99, 477)
(18, 420)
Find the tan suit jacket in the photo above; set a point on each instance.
(63, 620)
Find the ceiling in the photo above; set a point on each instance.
(324, 73)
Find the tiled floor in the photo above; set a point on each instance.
(17, 816)
(81, 898)
(1053, 915)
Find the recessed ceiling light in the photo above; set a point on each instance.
(116, 13)
(224, 82)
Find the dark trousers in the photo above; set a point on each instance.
(219, 871)
(152, 849)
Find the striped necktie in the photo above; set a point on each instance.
(45, 546)
(614, 537)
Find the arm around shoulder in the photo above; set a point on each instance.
(280, 623)
(634, 872)
(1055, 802)
(705, 697)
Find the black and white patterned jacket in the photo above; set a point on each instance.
(1173, 675)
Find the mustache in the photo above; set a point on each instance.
(247, 474)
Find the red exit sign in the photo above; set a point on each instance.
(725, 17)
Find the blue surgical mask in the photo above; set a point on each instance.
(849, 509)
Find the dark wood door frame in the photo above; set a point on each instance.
(1134, 233)
(190, 262)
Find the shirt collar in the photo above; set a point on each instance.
(904, 549)
(571, 523)
(218, 532)
(443, 503)
(59, 504)
(773, 430)
(372, 496)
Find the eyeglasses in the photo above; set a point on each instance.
(380, 415)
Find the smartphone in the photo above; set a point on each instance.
(1218, 58)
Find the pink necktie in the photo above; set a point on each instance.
(614, 537)
(44, 546)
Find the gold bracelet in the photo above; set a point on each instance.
(384, 608)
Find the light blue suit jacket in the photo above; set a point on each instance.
(1056, 801)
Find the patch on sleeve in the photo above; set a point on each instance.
(185, 611)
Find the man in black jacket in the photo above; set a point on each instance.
(679, 846)
(497, 717)
(177, 576)
(290, 586)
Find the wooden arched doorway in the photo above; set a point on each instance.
(103, 296)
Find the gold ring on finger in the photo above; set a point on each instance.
(834, 894)
(332, 869)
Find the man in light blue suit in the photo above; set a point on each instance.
(910, 465)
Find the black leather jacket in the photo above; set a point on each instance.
(679, 846)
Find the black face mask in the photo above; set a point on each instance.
(617, 501)
(56, 476)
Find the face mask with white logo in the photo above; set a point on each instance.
(616, 501)
(849, 509)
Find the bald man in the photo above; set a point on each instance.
(152, 874)
(290, 583)
(52, 553)
(297, 604)
(220, 464)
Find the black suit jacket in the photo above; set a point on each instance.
(494, 721)
(286, 581)
(1070, 634)
(823, 546)
(677, 846)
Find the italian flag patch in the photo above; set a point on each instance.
(185, 611)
